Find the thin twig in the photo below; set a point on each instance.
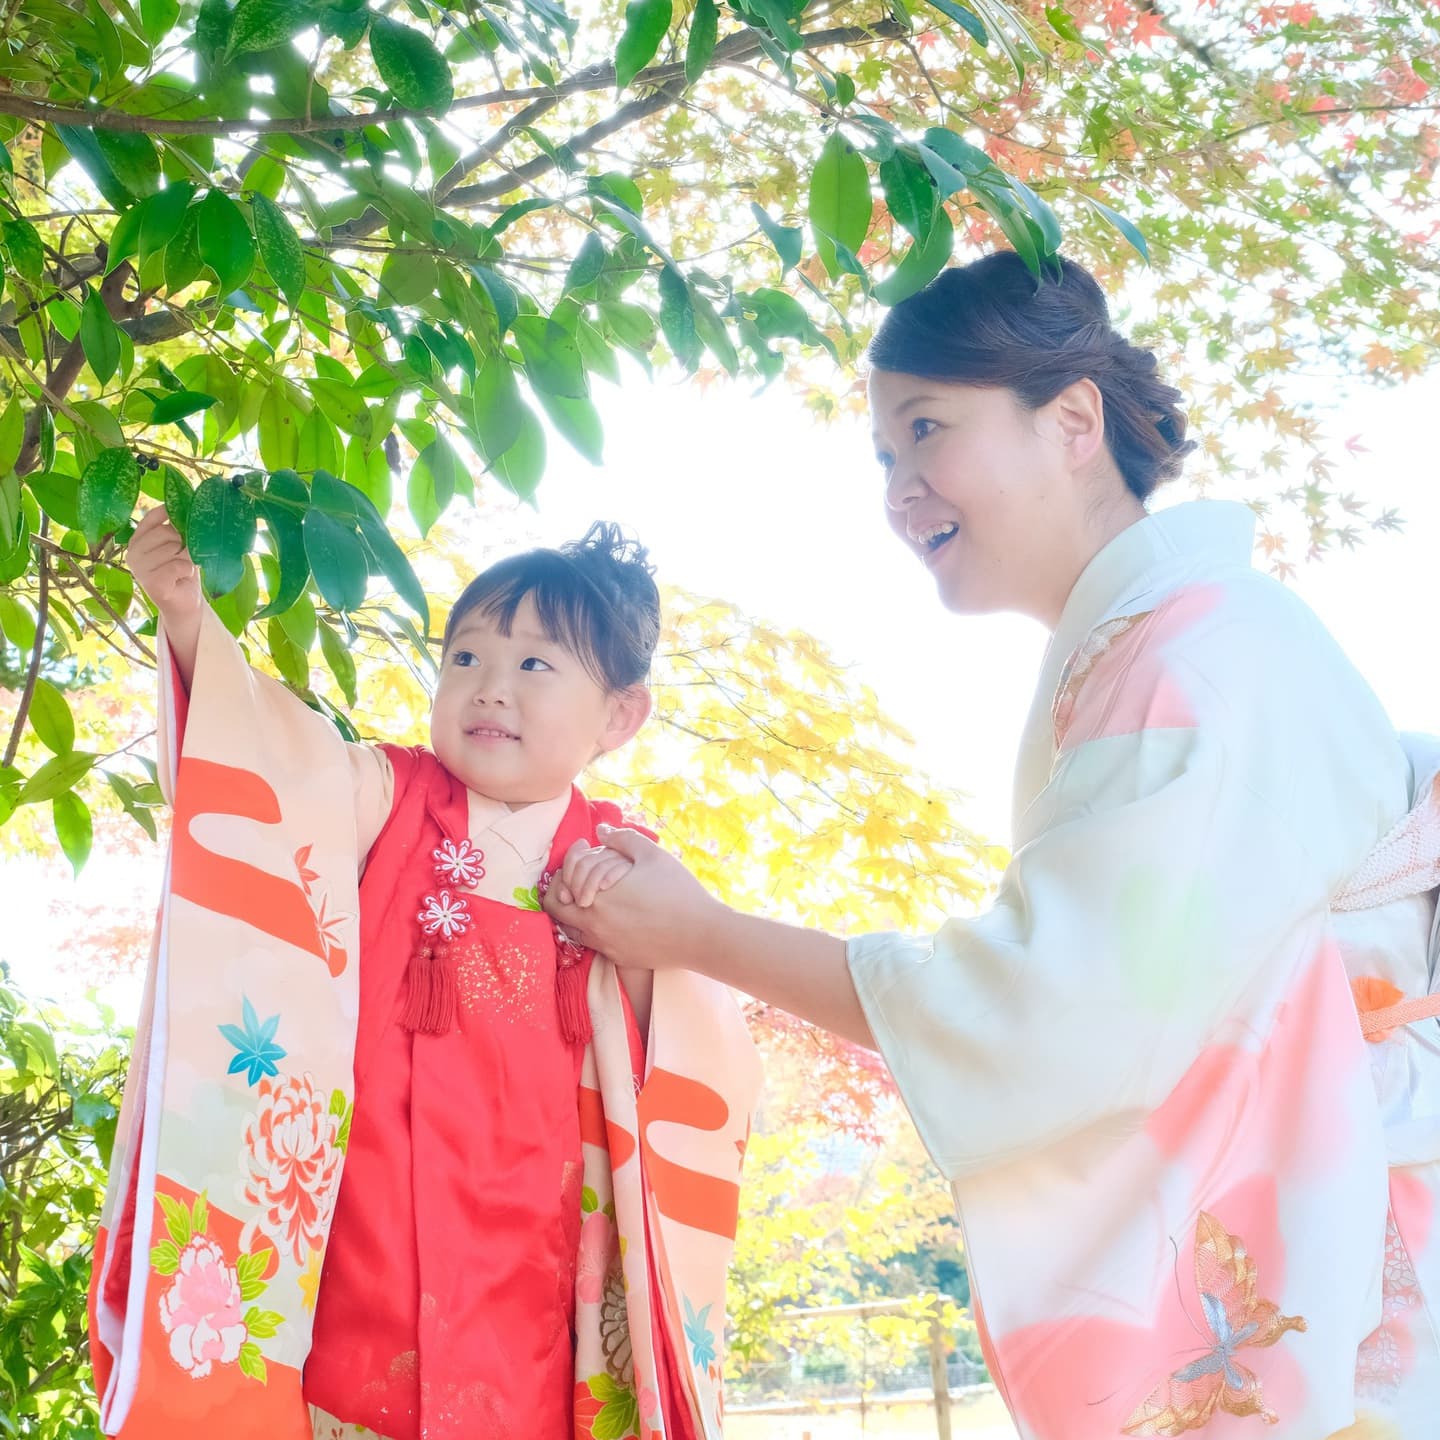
(37, 653)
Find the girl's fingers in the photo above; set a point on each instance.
(605, 872)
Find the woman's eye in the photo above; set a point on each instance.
(534, 662)
(921, 428)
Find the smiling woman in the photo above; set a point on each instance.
(1147, 1048)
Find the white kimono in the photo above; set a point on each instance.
(1141, 1070)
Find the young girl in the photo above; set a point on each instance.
(447, 1303)
(1196, 1202)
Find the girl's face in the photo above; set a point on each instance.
(517, 717)
(998, 502)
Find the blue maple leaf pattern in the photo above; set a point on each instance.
(255, 1045)
(700, 1336)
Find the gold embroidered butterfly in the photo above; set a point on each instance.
(1238, 1319)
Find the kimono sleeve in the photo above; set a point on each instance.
(1158, 885)
(221, 669)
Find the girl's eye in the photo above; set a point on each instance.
(885, 462)
(921, 428)
(463, 658)
(534, 662)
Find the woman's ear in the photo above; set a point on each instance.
(628, 710)
(1079, 413)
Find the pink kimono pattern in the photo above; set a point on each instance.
(1195, 1201)
(230, 1147)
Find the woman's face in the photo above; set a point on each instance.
(987, 494)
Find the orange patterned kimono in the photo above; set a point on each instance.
(229, 1176)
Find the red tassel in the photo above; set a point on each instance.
(571, 983)
(430, 992)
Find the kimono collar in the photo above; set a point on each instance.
(1185, 542)
(527, 831)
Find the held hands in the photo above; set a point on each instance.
(656, 919)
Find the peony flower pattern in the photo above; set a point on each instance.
(202, 1310)
(206, 1308)
(292, 1156)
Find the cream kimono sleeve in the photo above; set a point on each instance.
(1169, 869)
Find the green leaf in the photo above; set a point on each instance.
(200, 1215)
(1060, 22)
(1126, 227)
(132, 158)
(179, 494)
(27, 254)
(910, 193)
(109, 489)
(338, 400)
(921, 263)
(963, 17)
(263, 24)
(183, 263)
(73, 828)
(711, 329)
(157, 18)
(340, 661)
(390, 557)
(263, 1323)
(279, 247)
(282, 507)
(551, 355)
(337, 560)
(788, 242)
(85, 150)
(677, 318)
(704, 25)
(220, 532)
(55, 777)
(577, 419)
(160, 218)
(646, 23)
(12, 434)
(124, 239)
(410, 65)
(51, 719)
(432, 483)
(1044, 217)
(501, 297)
(178, 404)
(839, 200)
(588, 264)
(224, 240)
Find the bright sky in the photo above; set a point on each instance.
(746, 498)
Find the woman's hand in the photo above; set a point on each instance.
(163, 569)
(629, 900)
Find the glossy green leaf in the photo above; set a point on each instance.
(220, 532)
(342, 405)
(788, 241)
(27, 254)
(224, 240)
(340, 661)
(646, 24)
(179, 404)
(1127, 228)
(73, 828)
(389, 558)
(967, 19)
(282, 506)
(910, 193)
(179, 495)
(552, 358)
(133, 159)
(920, 264)
(839, 200)
(279, 247)
(12, 434)
(337, 559)
(109, 489)
(432, 483)
(263, 24)
(677, 318)
(410, 65)
(522, 465)
(160, 218)
(183, 263)
(55, 777)
(700, 45)
(85, 149)
(51, 718)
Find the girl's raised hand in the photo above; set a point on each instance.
(163, 569)
(589, 869)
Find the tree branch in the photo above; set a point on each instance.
(595, 77)
(37, 653)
